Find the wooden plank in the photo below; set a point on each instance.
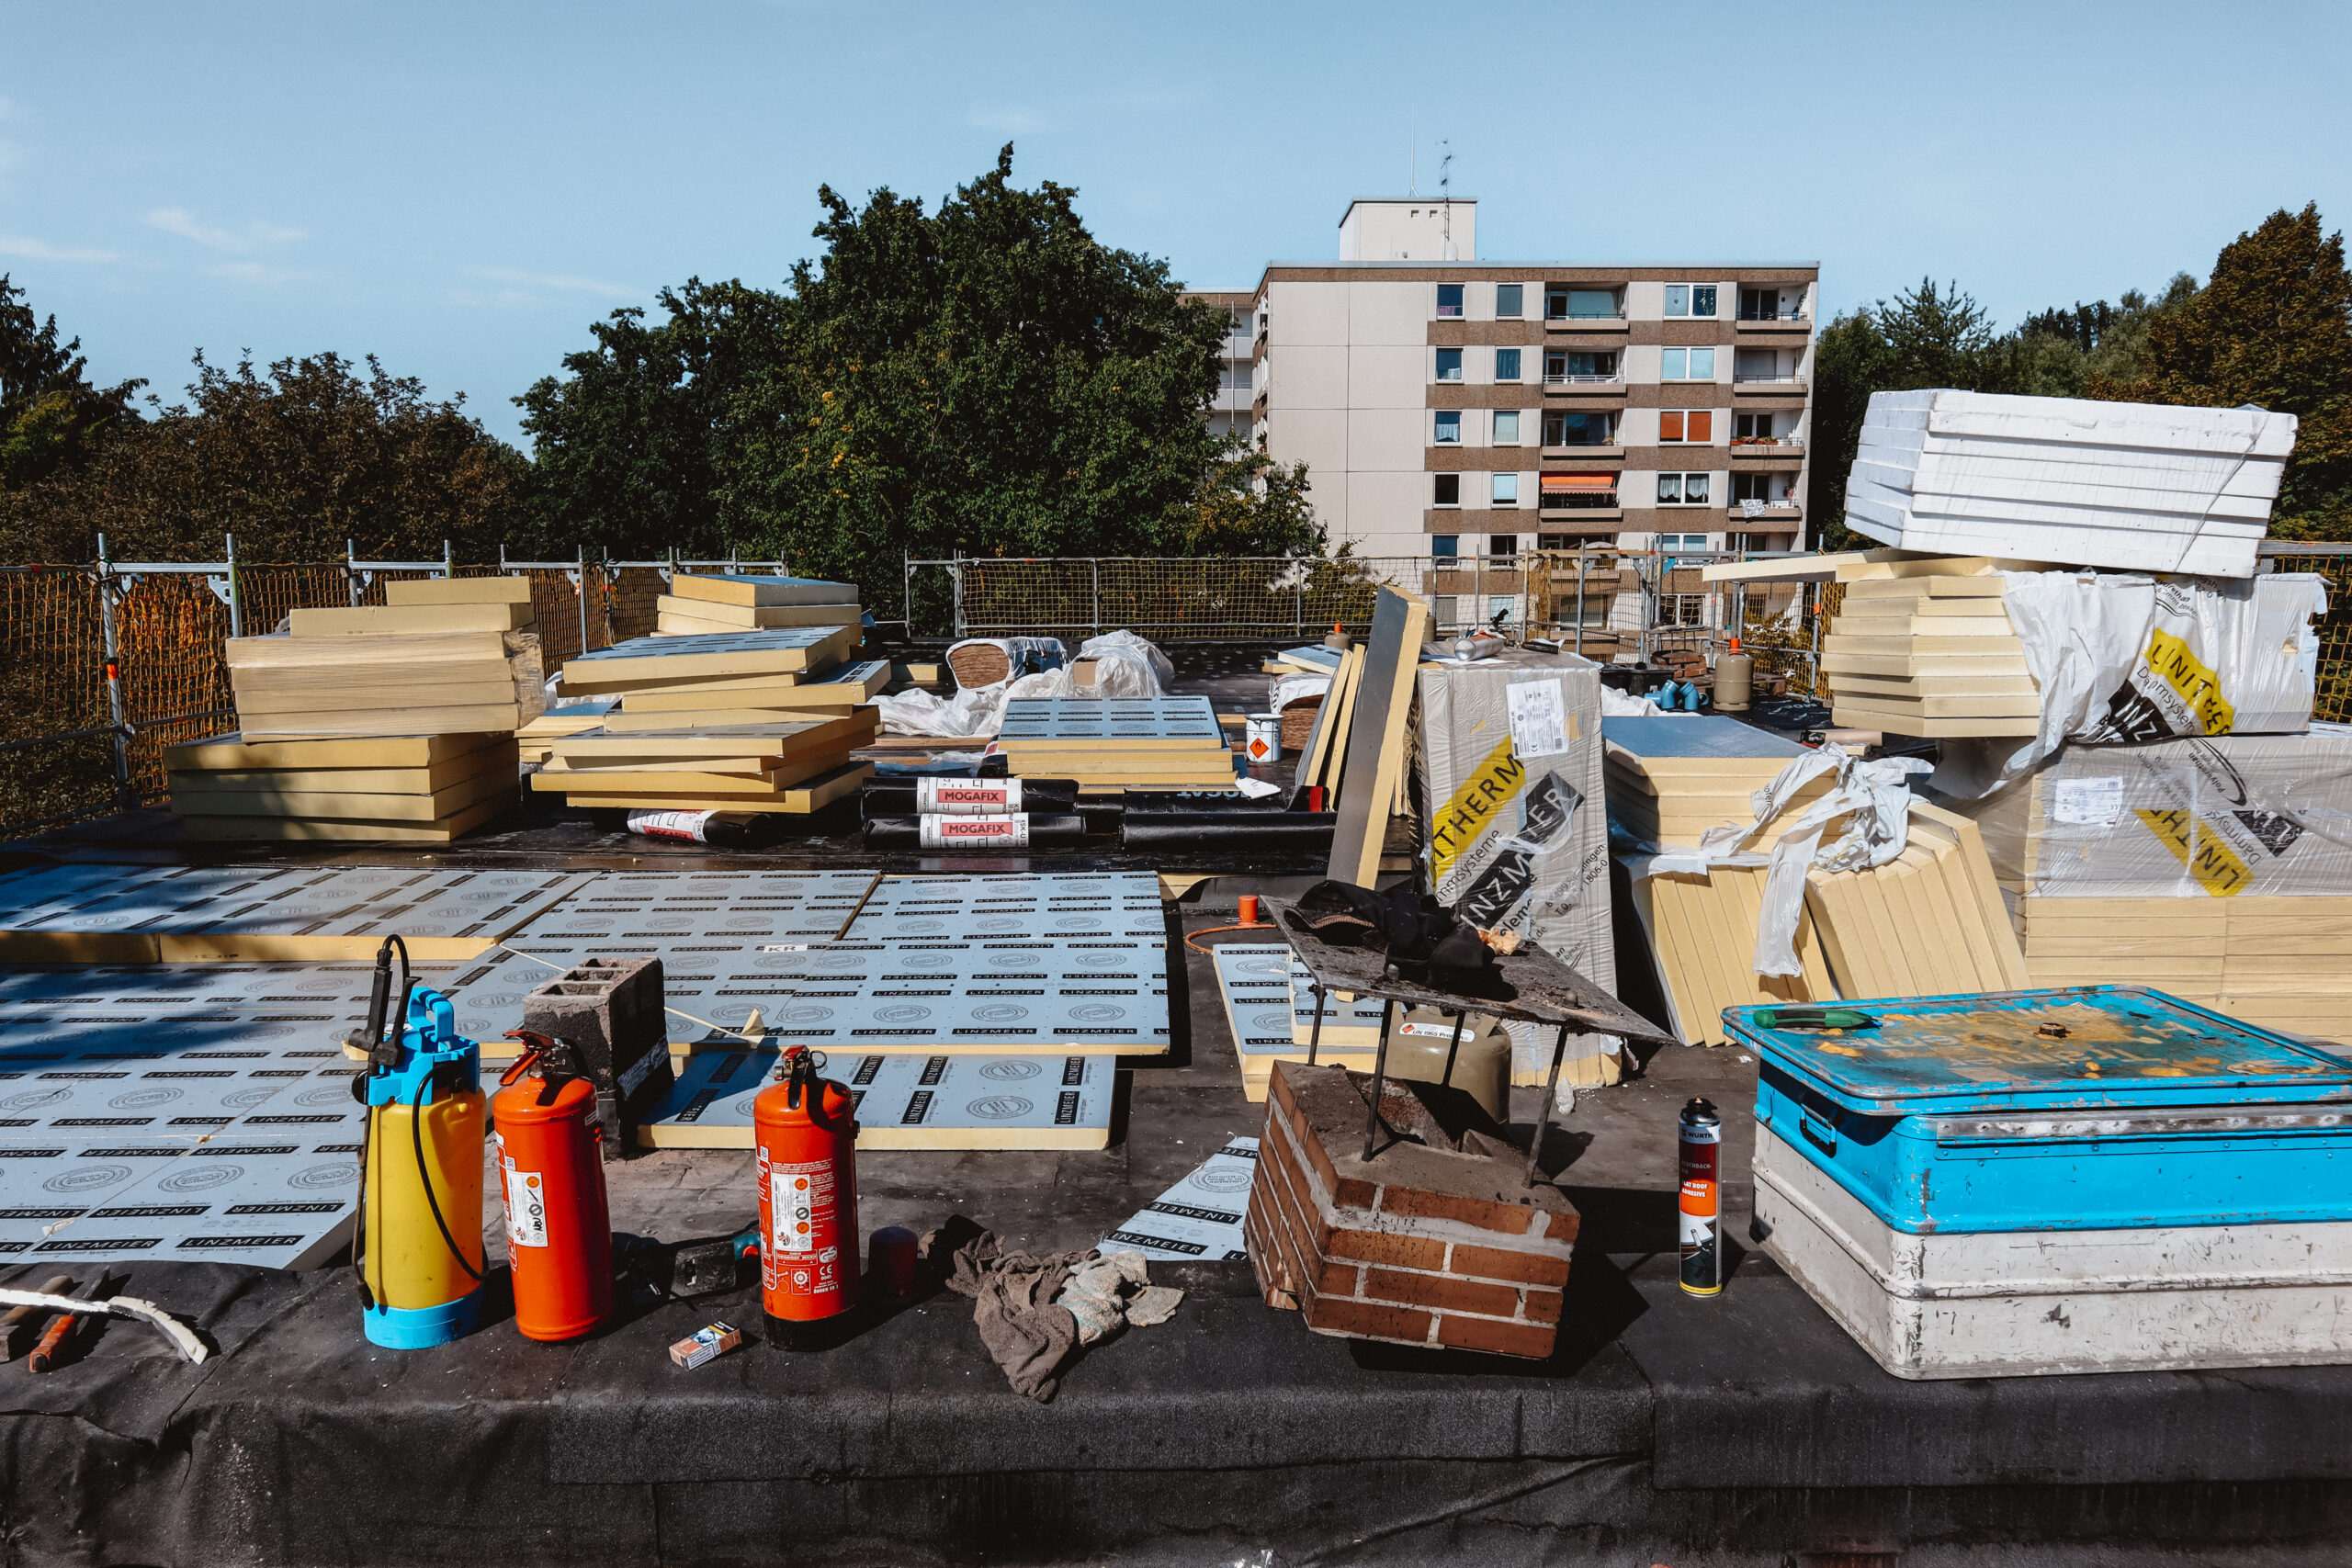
(759, 592)
(458, 591)
(1376, 736)
(381, 620)
(502, 719)
(723, 617)
(818, 793)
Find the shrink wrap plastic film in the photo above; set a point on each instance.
(2122, 658)
(1871, 796)
(2213, 816)
(1127, 666)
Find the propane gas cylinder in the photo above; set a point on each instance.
(558, 1230)
(806, 1130)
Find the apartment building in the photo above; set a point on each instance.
(1448, 406)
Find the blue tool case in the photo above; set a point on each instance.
(2092, 1108)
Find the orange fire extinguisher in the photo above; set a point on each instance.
(558, 1230)
(806, 1132)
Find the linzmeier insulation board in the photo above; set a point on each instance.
(1075, 904)
(1114, 722)
(623, 907)
(1253, 978)
(1199, 1219)
(762, 592)
(904, 1102)
(650, 658)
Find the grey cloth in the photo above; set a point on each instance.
(1034, 1312)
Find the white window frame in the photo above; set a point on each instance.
(1674, 365)
(1437, 480)
(1513, 315)
(1518, 370)
(1438, 437)
(1685, 295)
(1458, 373)
(1502, 489)
(1517, 424)
(1460, 310)
(1679, 542)
(1683, 478)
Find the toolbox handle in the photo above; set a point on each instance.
(1819, 1130)
(1810, 1018)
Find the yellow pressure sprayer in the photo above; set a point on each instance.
(417, 1253)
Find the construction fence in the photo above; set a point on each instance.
(103, 666)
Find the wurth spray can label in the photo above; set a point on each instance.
(974, 832)
(527, 1202)
(1701, 1201)
(802, 1258)
(966, 798)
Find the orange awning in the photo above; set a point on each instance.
(1554, 482)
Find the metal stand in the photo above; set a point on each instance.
(1543, 1111)
(1372, 1123)
(1315, 1034)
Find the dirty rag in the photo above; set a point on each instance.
(1034, 1312)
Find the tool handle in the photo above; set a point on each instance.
(52, 1343)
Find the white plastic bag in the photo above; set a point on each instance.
(1127, 666)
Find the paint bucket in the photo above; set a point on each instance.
(1263, 738)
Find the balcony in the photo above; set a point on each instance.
(1760, 451)
(1585, 385)
(1616, 324)
(1597, 452)
(1782, 324)
(1765, 512)
(1768, 383)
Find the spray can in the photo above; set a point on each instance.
(1701, 1143)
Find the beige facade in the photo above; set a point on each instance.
(1468, 407)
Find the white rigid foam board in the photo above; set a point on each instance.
(620, 909)
(2086, 422)
(1005, 1101)
(1199, 1219)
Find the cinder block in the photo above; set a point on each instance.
(610, 1010)
(1434, 1241)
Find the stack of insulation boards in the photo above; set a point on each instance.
(1152, 743)
(799, 765)
(564, 718)
(745, 677)
(1931, 656)
(721, 606)
(2132, 486)
(1670, 779)
(1930, 922)
(426, 789)
(445, 655)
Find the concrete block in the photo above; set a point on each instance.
(611, 1011)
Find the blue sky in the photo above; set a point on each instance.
(462, 188)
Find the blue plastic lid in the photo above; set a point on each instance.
(1695, 737)
(2083, 1045)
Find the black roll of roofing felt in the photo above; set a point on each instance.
(898, 796)
(909, 831)
(1189, 803)
(1271, 832)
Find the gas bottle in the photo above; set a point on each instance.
(558, 1230)
(806, 1130)
(418, 1249)
(1735, 675)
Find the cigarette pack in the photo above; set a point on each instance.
(705, 1344)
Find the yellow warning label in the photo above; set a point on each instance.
(1493, 785)
(2213, 864)
(2191, 676)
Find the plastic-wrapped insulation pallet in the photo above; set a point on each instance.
(2101, 1179)
(1516, 837)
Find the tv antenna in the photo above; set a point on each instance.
(1445, 193)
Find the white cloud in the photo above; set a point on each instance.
(253, 236)
(38, 250)
(258, 273)
(557, 283)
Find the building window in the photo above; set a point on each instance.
(1507, 301)
(1505, 490)
(1448, 491)
(1506, 364)
(1446, 547)
(1563, 364)
(1502, 544)
(1579, 492)
(1759, 488)
(1448, 364)
(1682, 365)
(1506, 427)
(1690, 299)
(1562, 428)
(1752, 430)
(1449, 299)
(1682, 490)
(1449, 427)
(1562, 303)
(1763, 305)
(1682, 542)
(1691, 427)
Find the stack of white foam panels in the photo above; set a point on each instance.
(2136, 487)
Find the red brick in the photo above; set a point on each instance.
(1543, 1306)
(1378, 1247)
(1502, 1338)
(1442, 1291)
(1495, 1263)
(1400, 1323)
(1289, 1189)
(1509, 1218)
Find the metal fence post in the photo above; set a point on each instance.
(955, 572)
(1094, 565)
(113, 651)
(1298, 602)
(1583, 555)
(236, 596)
(351, 569)
(448, 561)
(907, 584)
(580, 583)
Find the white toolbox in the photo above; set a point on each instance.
(1962, 1305)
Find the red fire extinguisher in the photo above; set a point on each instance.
(558, 1230)
(806, 1132)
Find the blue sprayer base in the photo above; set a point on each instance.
(419, 1328)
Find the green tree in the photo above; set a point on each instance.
(2272, 327)
(293, 462)
(629, 444)
(993, 379)
(50, 416)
